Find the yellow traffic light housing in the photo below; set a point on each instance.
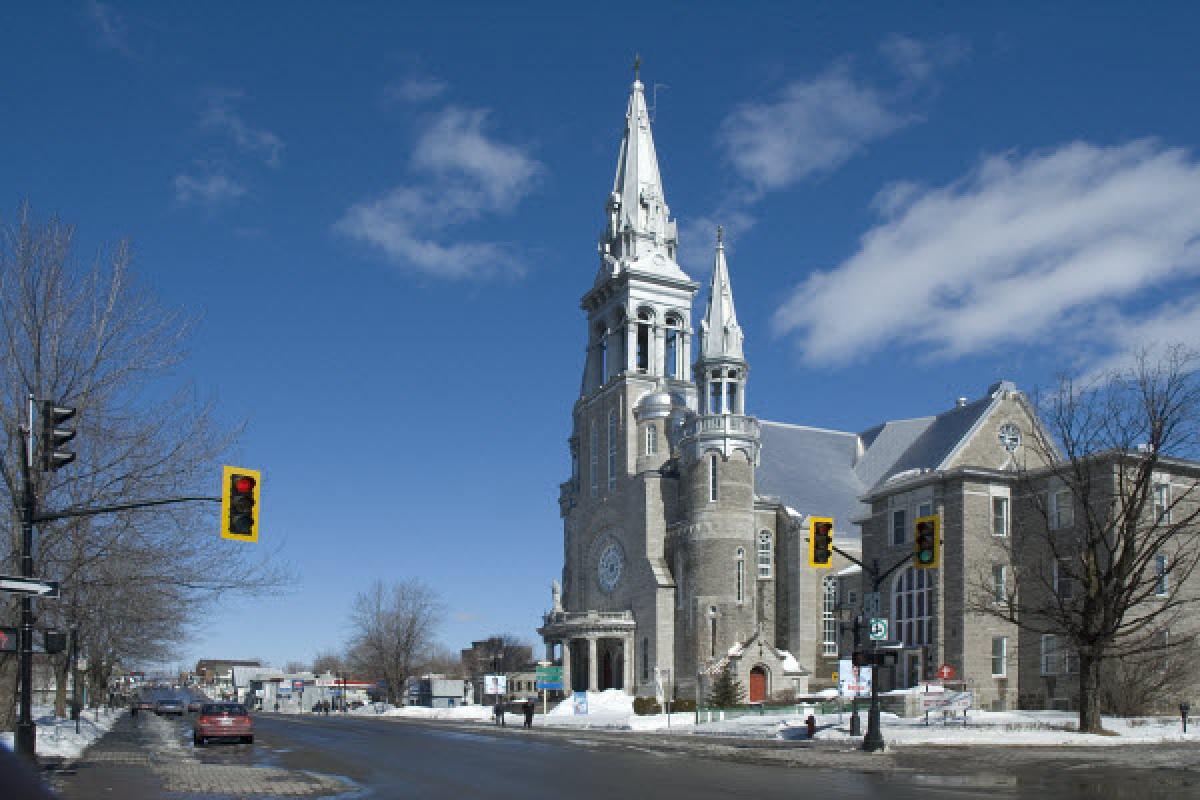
(820, 542)
(240, 489)
(927, 543)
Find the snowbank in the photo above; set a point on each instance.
(56, 737)
(458, 712)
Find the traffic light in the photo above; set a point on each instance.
(8, 640)
(820, 542)
(927, 543)
(239, 504)
(54, 641)
(55, 436)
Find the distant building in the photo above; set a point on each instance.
(494, 656)
(438, 691)
(216, 671)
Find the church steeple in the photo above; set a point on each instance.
(721, 363)
(640, 233)
(720, 334)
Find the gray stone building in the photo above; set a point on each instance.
(685, 518)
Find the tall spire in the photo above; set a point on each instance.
(720, 334)
(640, 228)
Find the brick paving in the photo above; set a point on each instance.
(144, 757)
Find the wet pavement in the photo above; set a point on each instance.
(319, 756)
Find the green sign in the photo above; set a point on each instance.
(879, 629)
(549, 673)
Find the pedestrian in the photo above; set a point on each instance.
(500, 713)
(528, 713)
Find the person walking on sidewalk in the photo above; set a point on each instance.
(499, 710)
(528, 709)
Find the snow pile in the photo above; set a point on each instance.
(457, 713)
(56, 737)
(611, 708)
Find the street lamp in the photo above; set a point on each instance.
(847, 617)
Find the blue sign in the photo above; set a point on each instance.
(580, 701)
(548, 685)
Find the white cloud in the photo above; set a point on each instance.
(917, 60)
(1025, 249)
(698, 239)
(209, 190)
(464, 175)
(811, 127)
(414, 89)
(219, 113)
(111, 30)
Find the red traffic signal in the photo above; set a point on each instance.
(239, 504)
(820, 542)
(8, 640)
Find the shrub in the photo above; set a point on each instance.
(727, 690)
(683, 704)
(643, 706)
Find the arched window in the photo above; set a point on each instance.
(712, 624)
(712, 478)
(601, 354)
(912, 606)
(594, 460)
(741, 575)
(764, 554)
(731, 393)
(644, 325)
(645, 658)
(715, 392)
(674, 345)
(829, 642)
(612, 450)
(651, 440)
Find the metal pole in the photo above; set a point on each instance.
(26, 738)
(855, 720)
(873, 741)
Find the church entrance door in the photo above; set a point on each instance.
(606, 678)
(758, 685)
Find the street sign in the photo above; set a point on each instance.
(879, 629)
(495, 684)
(8, 640)
(945, 672)
(853, 681)
(298, 686)
(28, 586)
(871, 604)
(946, 701)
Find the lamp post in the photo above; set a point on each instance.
(854, 621)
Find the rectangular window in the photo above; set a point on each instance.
(1050, 663)
(1063, 585)
(829, 643)
(672, 358)
(898, 527)
(594, 460)
(712, 479)
(741, 579)
(1162, 586)
(999, 516)
(925, 510)
(999, 583)
(999, 656)
(732, 406)
(714, 397)
(1162, 503)
(1062, 509)
(651, 440)
(764, 554)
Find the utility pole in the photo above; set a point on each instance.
(26, 738)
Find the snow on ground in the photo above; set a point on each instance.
(56, 736)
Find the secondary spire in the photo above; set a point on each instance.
(720, 334)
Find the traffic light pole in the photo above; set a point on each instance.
(26, 738)
(873, 741)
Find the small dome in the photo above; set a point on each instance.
(654, 405)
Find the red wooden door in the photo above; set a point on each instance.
(758, 685)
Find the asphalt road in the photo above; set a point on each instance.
(382, 758)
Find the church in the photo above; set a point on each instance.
(685, 517)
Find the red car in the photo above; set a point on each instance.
(222, 721)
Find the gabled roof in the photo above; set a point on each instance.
(812, 470)
(940, 437)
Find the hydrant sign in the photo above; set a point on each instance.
(853, 681)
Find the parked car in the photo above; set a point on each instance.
(194, 705)
(170, 705)
(222, 721)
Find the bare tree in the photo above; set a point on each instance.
(1102, 556)
(330, 662)
(93, 338)
(392, 631)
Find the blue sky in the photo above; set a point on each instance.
(386, 218)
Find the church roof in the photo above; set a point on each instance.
(812, 470)
(825, 472)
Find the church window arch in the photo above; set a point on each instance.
(829, 641)
(712, 478)
(645, 339)
(612, 449)
(764, 554)
(594, 459)
(674, 347)
(741, 574)
(645, 658)
(651, 440)
(912, 606)
(601, 353)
